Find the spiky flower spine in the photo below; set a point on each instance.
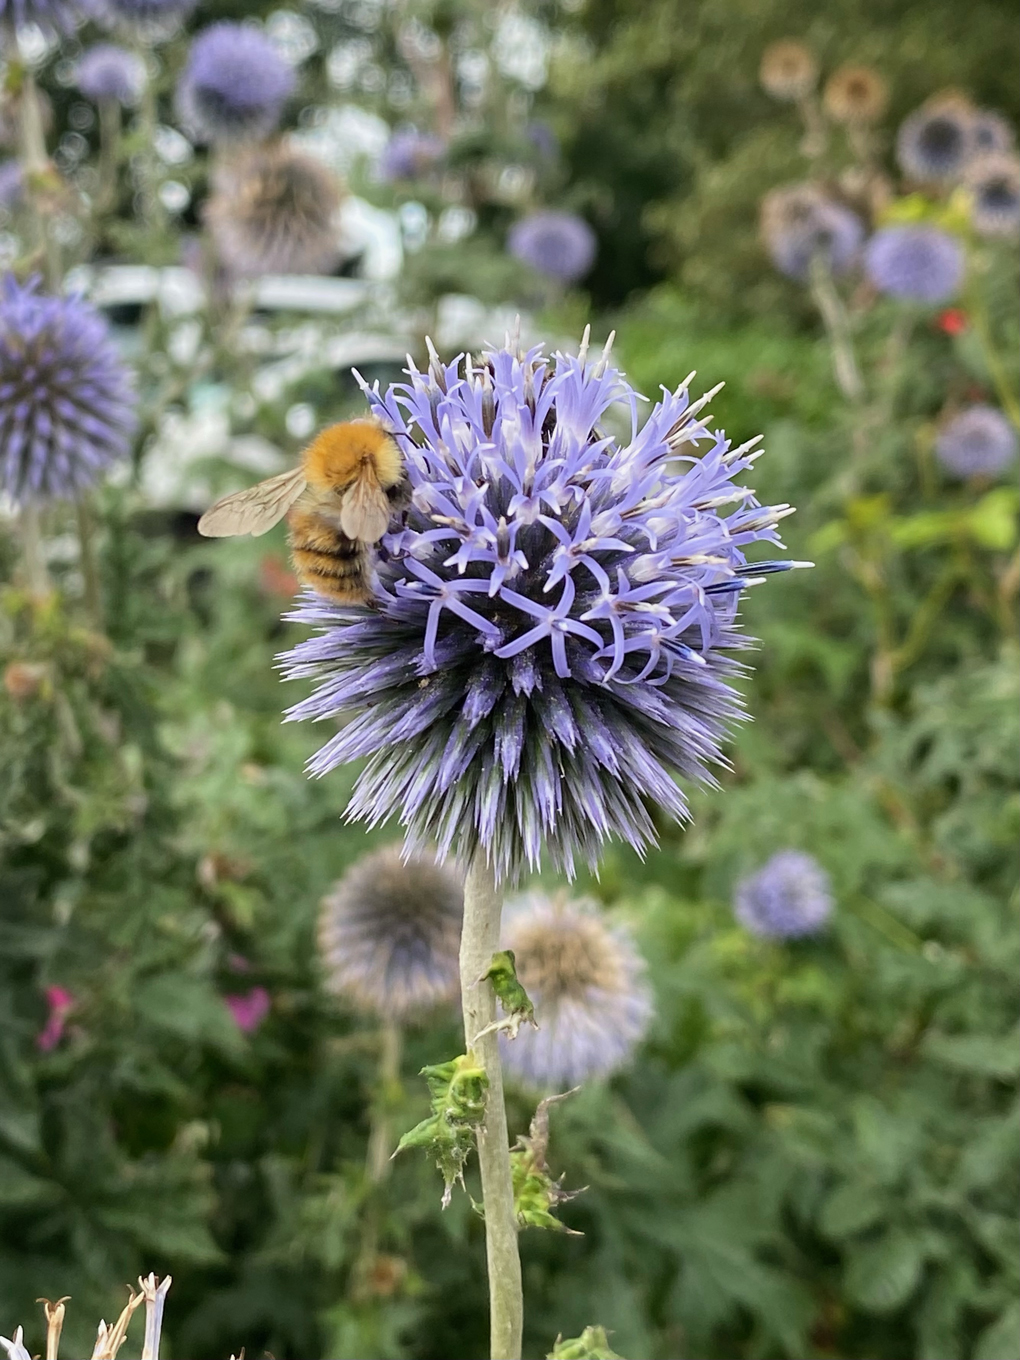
(586, 981)
(67, 405)
(935, 142)
(389, 933)
(799, 222)
(789, 70)
(275, 211)
(915, 263)
(856, 95)
(557, 244)
(550, 635)
(978, 442)
(788, 897)
(994, 184)
(234, 86)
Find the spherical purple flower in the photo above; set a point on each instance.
(410, 154)
(994, 184)
(234, 85)
(919, 263)
(67, 407)
(549, 635)
(557, 244)
(979, 442)
(110, 72)
(788, 897)
(586, 982)
(936, 141)
(389, 934)
(800, 223)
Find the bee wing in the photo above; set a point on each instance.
(365, 513)
(255, 510)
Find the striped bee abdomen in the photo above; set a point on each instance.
(328, 561)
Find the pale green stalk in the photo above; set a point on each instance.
(483, 905)
(837, 324)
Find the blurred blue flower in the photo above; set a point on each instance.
(543, 139)
(389, 934)
(12, 185)
(48, 14)
(799, 223)
(991, 132)
(994, 184)
(410, 154)
(919, 263)
(550, 631)
(936, 141)
(67, 405)
(979, 442)
(110, 72)
(235, 84)
(788, 897)
(140, 11)
(557, 244)
(586, 981)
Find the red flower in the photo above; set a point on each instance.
(60, 1002)
(953, 321)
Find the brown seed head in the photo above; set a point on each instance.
(855, 95)
(789, 70)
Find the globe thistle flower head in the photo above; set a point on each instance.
(789, 70)
(990, 132)
(410, 154)
(110, 72)
(994, 184)
(916, 263)
(557, 244)
(979, 442)
(275, 211)
(789, 896)
(234, 86)
(67, 406)
(586, 981)
(389, 934)
(935, 142)
(856, 95)
(153, 18)
(551, 624)
(799, 223)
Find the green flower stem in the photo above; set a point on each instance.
(36, 574)
(1004, 385)
(109, 153)
(380, 1136)
(89, 565)
(483, 905)
(837, 324)
(36, 166)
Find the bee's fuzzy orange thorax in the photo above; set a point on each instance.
(339, 455)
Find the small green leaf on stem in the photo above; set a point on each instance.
(458, 1090)
(516, 1003)
(592, 1344)
(536, 1194)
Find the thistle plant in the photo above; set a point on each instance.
(551, 639)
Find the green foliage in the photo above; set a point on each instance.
(536, 1194)
(592, 1344)
(513, 999)
(457, 1089)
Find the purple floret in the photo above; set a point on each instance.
(410, 154)
(919, 264)
(235, 84)
(549, 639)
(67, 404)
(790, 896)
(557, 244)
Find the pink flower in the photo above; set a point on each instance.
(60, 1002)
(250, 1009)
